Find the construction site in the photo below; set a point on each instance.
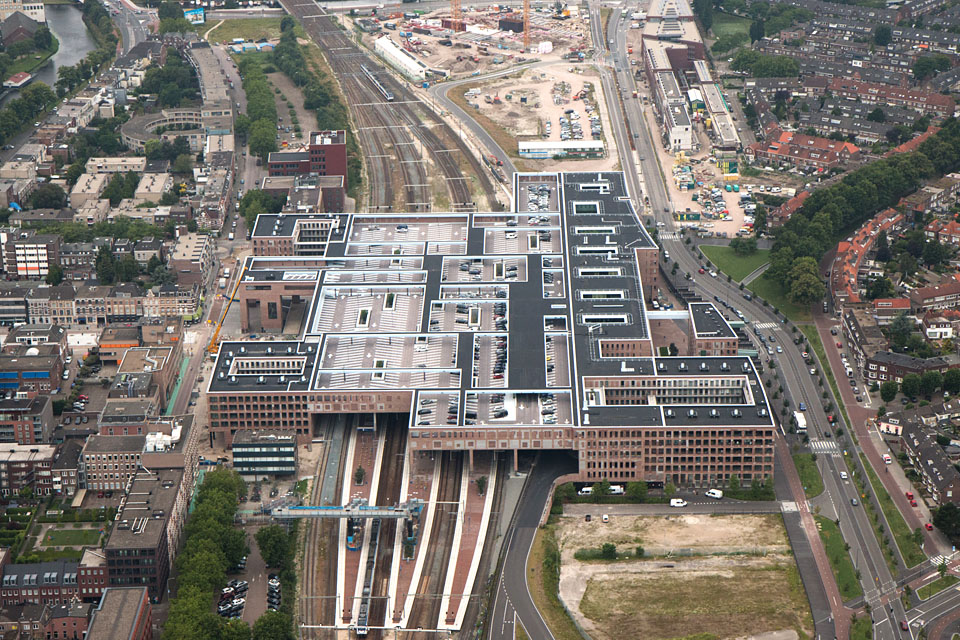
(457, 42)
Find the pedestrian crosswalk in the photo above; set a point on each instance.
(766, 325)
(938, 560)
(824, 446)
(669, 235)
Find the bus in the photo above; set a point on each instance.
(801, 421)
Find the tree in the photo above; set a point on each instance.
(287, 23)
(951, 381)
(900, 330)
(704, 10)
(48, 196)
(882, 36)
(106, 266)
(804, 282)
(600, 489)
(756, 30)
(877, 115)
(924, 67)
(54, 275)
(636, 491)
(127, 269)
(262, 139)
(169, 198)
(947, 519)
(169, 10)
(192, 225)
(235, 630)
(359, 475)
(744, 246)
(274, 544)
(759, 220)
(273, 625)
(482, 485)
(734, 483)
(888, 390)
(936, 254)
(42, 39)
(183, 163)
(910, 385)
(670, 489)
(608, 551)
(930, 381)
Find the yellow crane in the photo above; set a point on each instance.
(215, 340)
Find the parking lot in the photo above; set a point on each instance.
(484, 270)
(482, 315)
(517, 240)
(558, 355)
(433, 407)
(490, 360)
(517, 408)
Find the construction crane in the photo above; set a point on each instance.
(456, 15)
(215, 340)
(526, 25)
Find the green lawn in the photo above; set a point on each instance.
(725, 24)
(774, 294)
(71, 538)
(246, 28)
(30, 62)
(737, 267)
(909, 548)
(843, 569)
(937, 586)
(809, 474)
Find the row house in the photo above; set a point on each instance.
(887, 365)
(939, 478)
(830, 71)
(172, 301)
(944, 296)
(940, 325)
(802, 151)
(78, 260)
(99, 305)
(943, 231)
(873, 93)
(863, 335)
(886, 309)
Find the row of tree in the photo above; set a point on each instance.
(320, 95)
(259, 124)
(174, 83)
(35, 98)
(762, 65)
(833, 211)
(927, 384)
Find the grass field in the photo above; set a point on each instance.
(30, 62)
(843, 569)
(740, 599)
(71, 538)
(248, 29)
(737, 267)
(809, 474)
(725, 24)
(937, 586)
(543, 586)
(774, 294)
(909, 547)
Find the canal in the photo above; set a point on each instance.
(66, 22)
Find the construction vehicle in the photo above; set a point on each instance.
(215, 339)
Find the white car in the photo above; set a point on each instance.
(678, 502)
(843, 475)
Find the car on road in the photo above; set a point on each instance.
(605, 518)
(813, 371)
(913, 503)
(678, 502)
(904, 626)
(839, 345)
(859, 398)
(928, 526)
(701, 270)
(853, 383)
(843, 475)
(805, 354)
(854, 502)
(779, 349)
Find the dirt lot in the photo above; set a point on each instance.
(735, 578)
(549, 93)
(306, 119)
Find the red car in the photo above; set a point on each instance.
(903, 625)
(839, 345)
(929, 526)
(701, 270)
(913, 503)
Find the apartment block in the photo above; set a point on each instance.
(325, 154)
(26, 466)
(29, 254)
(192, 258)
(26, 420)
(122, 613)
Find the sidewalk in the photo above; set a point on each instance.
(893, 478)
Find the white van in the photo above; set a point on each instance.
(616, 490)
(887, 459)
(714, 493)
(677, 502)
(586, 491)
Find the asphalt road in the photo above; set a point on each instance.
(512, 600)
(695, 505)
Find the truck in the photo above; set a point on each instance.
(801, 421)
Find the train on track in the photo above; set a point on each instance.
(388, 95)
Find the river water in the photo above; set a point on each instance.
(66, 22)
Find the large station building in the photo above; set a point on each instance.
(518, 331)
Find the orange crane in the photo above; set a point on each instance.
(456, 15)
(215, 340)
(526, 25)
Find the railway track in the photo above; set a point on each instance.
(406, 146)
(318, 590)
(425, 611)
(388, 493)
